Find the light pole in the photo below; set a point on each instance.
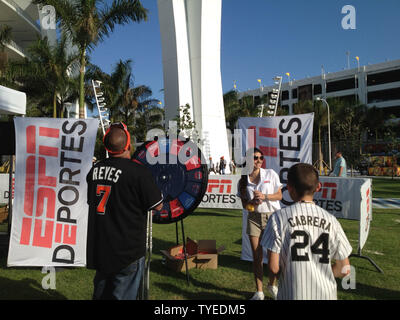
(329, 131)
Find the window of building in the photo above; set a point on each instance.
(294, 93)
(305, 92)
(383, 77)
(285, 95)
(340, 85)
(384, 95)
(285, 109)
(389, 111)
(317, 89)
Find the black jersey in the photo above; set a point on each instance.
(120, 193)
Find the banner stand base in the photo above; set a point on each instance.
(358, 255)
(184, 249)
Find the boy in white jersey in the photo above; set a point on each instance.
(302, 239)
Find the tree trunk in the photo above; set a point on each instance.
(82, 85)
(55, 105)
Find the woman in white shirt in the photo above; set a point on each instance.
(260, 192)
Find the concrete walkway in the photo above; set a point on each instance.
(385, 203)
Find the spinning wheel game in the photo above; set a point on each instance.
(180, 173)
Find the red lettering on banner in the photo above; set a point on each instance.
(43, 179)
(49, 132)
(46, 240)
(58, 233)
(43, 228)
(31, 139)
(50, 195)
(251, 137)
(48, 151)
(26, 231)
(326, 187)
(269, 151)
(216, 183)
(268, 132)
(69, 239)
(29, 185)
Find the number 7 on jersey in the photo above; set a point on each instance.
(104, 192)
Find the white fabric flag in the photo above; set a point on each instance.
(284, 141)
(49, 217)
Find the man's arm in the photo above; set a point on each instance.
(270, 197)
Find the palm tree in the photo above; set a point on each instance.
(5, 35)
(46, 75)
(5, 38)
(89, 22)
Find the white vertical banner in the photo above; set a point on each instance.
(49, 217)
(365, 212)
(284, 141)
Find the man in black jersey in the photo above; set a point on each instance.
(120, 193)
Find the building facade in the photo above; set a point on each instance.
(23, 17)
(372, 85)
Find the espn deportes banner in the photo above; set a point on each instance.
(49, 217)
(4, 187)
(284, 141)
(345, 198)
(348, 198)
(221, 192)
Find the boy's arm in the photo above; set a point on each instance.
(341, 268)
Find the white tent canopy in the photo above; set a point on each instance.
(12, 102)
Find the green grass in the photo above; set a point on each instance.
(385, 188)
(233, 279)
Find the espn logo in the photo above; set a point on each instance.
(220, 185)
(328, 190)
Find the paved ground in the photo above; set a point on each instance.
(387, 203)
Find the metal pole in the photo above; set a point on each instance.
(98, 109)
(329, 132)
(10, 193)
(329, 137)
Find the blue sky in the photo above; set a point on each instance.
(264, 38)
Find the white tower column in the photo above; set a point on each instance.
(191, 43)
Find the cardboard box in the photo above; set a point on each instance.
(201, 254)
(3, 214)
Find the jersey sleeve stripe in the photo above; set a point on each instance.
(156, 204)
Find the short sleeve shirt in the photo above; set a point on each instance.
(120, 193)
(269, 183)
(340, 162)
(307, 238)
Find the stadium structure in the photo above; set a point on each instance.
(372, 85)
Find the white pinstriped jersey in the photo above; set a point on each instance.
(307, 238)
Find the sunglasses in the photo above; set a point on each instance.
(260, 157)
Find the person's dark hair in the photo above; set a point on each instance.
(115, 140)
(303, 178)
(243, 180)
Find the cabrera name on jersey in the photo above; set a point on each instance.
(307, 238)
